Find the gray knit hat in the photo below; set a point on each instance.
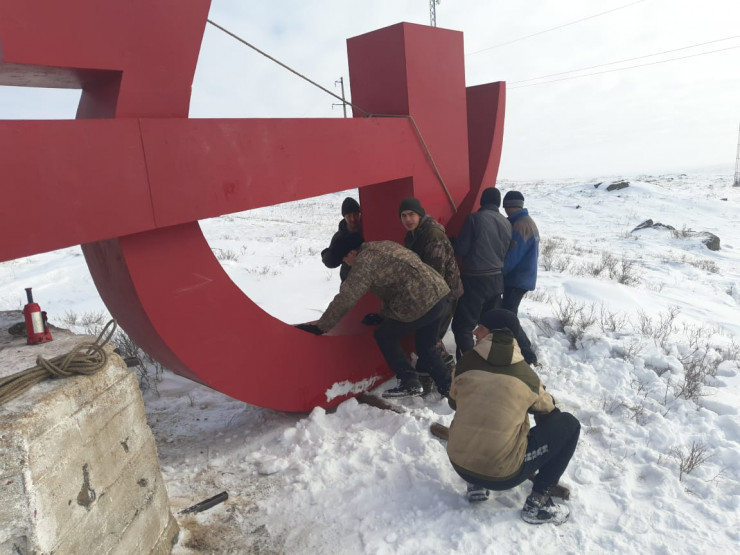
(491, 196)
(514, 199)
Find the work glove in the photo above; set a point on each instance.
(310, 328)
(372, 319)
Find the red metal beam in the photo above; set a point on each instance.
(132, 188)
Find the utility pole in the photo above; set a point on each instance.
(433, 12)
(737, 163)
(344, 102)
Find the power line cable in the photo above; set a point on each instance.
(281, 64)
(622, 61)
(365, 113)
(625, 68)
(554, 28)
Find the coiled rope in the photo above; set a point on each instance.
(85, 359)
(364, 112)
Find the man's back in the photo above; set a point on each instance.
(483, 242)
(396, 275)
(492, 390)
(520, 264)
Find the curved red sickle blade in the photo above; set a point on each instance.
(133, 189)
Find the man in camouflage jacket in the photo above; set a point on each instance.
(427, 238)
(414, 299)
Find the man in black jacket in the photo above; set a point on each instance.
(351, 223)
(482, 245)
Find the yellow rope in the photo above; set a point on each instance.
(85, 359)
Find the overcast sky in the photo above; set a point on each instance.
(678, 116)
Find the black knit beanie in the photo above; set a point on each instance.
(498, 319)
(413, 204)
(350, 206)
(344, 243)
(491, 196)
(513, 199)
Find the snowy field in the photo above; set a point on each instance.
(638, 334)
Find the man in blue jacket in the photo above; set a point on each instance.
(482, 244)
(520, 265)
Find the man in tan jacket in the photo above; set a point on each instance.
(414, 300)
(491, 445)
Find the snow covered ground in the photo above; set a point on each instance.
(638, 334)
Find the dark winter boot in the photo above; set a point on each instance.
(444, 388)
(476, 494)
(405, 388)
(427, 383)
(539, 508)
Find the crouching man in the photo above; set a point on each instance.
(414, 298)
(491, 445)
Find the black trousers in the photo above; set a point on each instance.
(444, 323)
(550, 446)
(512, 297)
(482, 293)
(502, 318)
(388, 336)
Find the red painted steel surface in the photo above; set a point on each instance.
(416, 70)
(486, 105)
(132, 185)
(131, 59)
(99, 179)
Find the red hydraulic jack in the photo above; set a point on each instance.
(37, 327)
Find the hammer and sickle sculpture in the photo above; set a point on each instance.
(132, 175)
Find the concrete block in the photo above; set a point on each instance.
(79, 471)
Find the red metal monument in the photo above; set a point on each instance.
(132, 175)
